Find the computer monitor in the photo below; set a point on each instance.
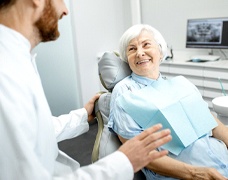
(207, 33)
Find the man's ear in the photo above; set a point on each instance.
(38, 3)
(38, 7)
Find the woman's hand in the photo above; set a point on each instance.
(204, 173)
(170, 167)
(90, 106)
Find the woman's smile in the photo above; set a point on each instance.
(143, 61)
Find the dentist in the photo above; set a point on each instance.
(28, 132)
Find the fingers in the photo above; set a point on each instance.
(140, 150)
(157, 154)
(90, 105)
(157, 139)
(207, 173)
(149, 131)
(151, 138)
(95, 97)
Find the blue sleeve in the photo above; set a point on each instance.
(119, 121)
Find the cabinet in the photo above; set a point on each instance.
(204, 75)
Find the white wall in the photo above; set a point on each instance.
(68, 66)
(58, 70)
(170, 18)
(98, 26)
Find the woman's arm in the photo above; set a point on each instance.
(167, 166)
(221, 131)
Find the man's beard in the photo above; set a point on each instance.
(47, 25)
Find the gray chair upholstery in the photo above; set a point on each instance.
(111, 70)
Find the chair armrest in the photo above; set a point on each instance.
(95, 152)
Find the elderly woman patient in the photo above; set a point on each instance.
(199, 146)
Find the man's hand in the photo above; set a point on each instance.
(140, 150)
(90, 106)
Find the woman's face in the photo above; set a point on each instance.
(144, 55)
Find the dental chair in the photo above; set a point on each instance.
(111, 70)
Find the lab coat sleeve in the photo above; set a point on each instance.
(114, 166)
(70, 125)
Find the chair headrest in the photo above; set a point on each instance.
(112, 70)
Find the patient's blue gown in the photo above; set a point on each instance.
(205, 151)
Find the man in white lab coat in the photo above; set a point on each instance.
(28, 132)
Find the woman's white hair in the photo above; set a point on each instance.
(135, 31)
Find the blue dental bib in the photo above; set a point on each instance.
(176, 104)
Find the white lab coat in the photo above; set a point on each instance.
(28, 139)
